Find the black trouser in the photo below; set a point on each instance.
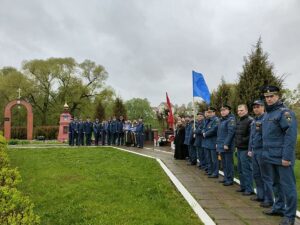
(88, 138)
(121, 138)
(97, 137)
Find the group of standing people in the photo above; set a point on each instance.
(265, 147)
(111, 132)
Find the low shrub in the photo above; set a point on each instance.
(15, 208)
(48, 132)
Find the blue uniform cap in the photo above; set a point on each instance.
(258, 102)
(270, 90)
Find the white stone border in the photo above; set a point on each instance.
(203, 216)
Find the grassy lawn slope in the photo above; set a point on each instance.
(99, 186)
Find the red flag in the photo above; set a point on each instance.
(170, 115)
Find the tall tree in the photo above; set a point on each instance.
(138, 107)
(257, 72)
(119, 108)
(225, 94)
(100, 111)
(59, 80)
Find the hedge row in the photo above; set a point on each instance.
(49, 132)
(15, 208)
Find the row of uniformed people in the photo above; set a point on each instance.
(111, 132)
(265, 149)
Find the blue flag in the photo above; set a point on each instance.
(200, 88)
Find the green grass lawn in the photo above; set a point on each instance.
(99, 186)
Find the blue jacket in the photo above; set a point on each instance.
(88, 127)
(120, 126)
(210, 131)
(226, 131)
(198, 133)
(113, 126)
(279, 132)
(188, 133)
(97, 128)
(80, 127)
(255, 141)
(140, 128)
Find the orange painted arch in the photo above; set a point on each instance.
(7, 118)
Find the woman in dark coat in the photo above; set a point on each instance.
(180, 151)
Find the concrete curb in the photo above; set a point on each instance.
(203, 216)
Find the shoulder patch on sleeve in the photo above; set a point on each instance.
(288, 116)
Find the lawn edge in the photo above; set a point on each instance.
(200, 212)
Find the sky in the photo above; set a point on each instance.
(151, 47)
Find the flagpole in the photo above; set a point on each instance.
(194, 112)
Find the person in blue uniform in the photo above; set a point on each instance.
(120, 131)
(225, 143)
(210, 138)
(75, 129)
(113, 131)
(198, 140)
(88, 130)
(97, 131)
(71, 132)
(279, 132)
(80, 126)
(104, 135)
(108, 132)
(242, 135)
(140, 133)
(264, 193)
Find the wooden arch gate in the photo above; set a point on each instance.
(7, 118)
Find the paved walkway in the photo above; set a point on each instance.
(223, 204)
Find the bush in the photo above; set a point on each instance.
(15, 209)
(9, 177)
(49, 132)
(4, 162)
(18, 142)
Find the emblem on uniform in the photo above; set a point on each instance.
(288, 116)
(258, 125)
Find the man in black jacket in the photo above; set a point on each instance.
(242, 134)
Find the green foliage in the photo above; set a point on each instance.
(119, 108)
(100, 111)
(225, 94)
(94, 186)
(18, 142)
(48, 84)
(137, 108)
(15, 209)
(9, 177)
(257, 72)
(49, 132)
(4, 161)
(2, 142)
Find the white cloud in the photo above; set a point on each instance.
(150, 47)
